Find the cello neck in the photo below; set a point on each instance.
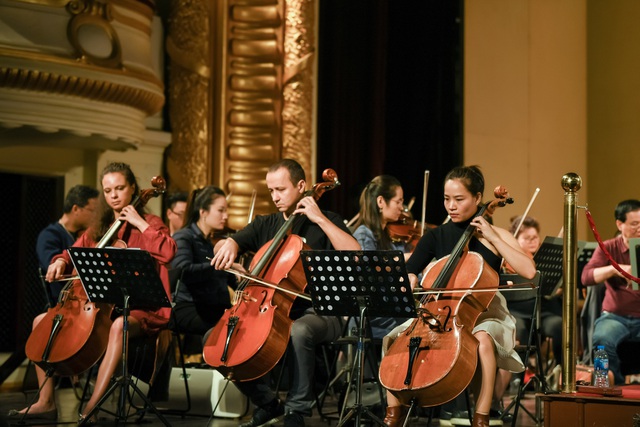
(275, 244)
(444, 276)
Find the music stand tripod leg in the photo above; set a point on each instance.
(358, 408)
(124, 383)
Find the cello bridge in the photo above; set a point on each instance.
(433, 320)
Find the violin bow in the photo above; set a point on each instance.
(425, 185)
(526, 212)
(524, 215)
(254, 194)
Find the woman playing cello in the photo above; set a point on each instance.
(495, 328)
(139, 230)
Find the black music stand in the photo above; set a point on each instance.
(115, 276)
(548, 260)
(359, 283)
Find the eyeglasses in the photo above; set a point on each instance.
(179, 214)
(633, 225)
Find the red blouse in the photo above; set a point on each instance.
(155, 240)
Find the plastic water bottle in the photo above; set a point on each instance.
(601, 367)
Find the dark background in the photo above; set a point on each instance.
(390, 97)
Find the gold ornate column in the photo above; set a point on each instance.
(188, 47)
(244, 94)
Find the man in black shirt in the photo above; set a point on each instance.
(320, 230)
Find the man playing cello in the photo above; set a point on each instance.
(321, 230)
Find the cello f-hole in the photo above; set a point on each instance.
(263, 308)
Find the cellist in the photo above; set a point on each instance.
(140, 230)
(495, 328)
(321, 230)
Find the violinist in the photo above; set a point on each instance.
(203, 294)
(495, 328)
(528, 236)
(140, 230)
(381, 203)
(321, 230)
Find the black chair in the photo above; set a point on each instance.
(532, 346)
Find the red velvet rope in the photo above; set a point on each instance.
(615, 265)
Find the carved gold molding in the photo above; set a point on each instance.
(188, 47)
(260, 106)
(93, 89)
(95, 17)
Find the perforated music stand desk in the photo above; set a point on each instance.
(118, 276)
(548, 260)
(108, 273)
(359, 283)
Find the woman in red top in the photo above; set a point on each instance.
(139, 230)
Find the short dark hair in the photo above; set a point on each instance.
(295, 169)
(626, 206)
(79, 195)
(175, 197)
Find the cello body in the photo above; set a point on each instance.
(252, 336)
(435, 358)
(72, 336)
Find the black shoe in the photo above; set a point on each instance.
(51, 415)
(265, 416)
(293, 420)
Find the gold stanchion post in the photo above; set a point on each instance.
(571, 183)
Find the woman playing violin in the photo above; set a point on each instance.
(381, 203)
(495, 328)
(321, 230)
(203, 295)
(140, 230)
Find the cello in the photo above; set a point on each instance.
(252, 335)
(72, 336)
(435, 358)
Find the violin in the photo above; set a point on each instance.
(406, 230)
(435, 358)
(72, 336)
(252, 335)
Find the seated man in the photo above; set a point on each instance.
(620, 318)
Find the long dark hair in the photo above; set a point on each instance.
(105, 215)
(201, 198)
(370, 213)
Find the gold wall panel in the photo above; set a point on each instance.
(261, 95)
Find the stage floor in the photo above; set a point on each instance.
(68, 408)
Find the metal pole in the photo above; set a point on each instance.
(571, 183)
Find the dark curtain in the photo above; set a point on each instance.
(390, 96)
